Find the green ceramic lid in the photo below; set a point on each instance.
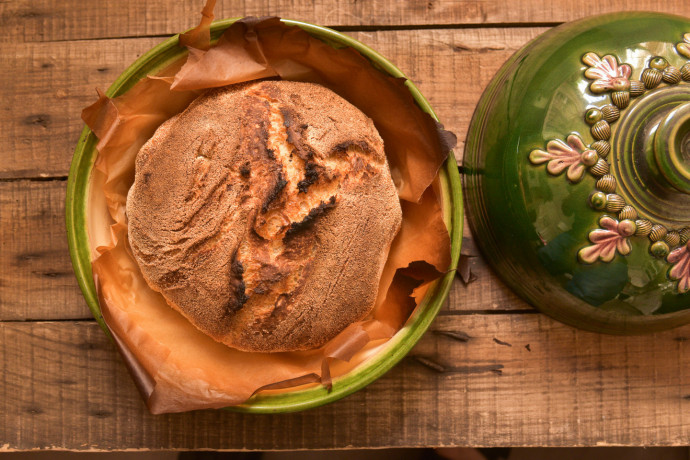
(577, 172)
(77, 209)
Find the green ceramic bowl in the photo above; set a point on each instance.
(77, 208)
(545, 228)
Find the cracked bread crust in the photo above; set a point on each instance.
(264, 213)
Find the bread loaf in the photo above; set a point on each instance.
(264, 213)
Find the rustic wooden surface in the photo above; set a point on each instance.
(509, 376)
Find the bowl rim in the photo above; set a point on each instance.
(394, 350)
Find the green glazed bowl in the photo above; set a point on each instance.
(77, 209)
(577, 165)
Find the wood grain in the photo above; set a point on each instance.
(516, 380)
(36, 277)
(37, 281)
(46, 20)
(41, 113)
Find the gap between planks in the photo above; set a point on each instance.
(347, 29)
(45, 178)
(441, 313)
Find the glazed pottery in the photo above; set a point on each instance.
(577, 172)
(77, 209)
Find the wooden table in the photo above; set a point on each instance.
(507, 376)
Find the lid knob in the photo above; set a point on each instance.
(672, 147)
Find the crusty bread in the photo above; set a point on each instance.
(264, 213)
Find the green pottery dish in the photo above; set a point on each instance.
(577, 172)
(77, 209)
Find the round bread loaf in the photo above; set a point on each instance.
(264, 213)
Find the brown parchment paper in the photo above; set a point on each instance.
(175, 366)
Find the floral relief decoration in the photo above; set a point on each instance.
(606, 73)
(612, 237)
(576, 157)
(560, 155)
(680, 259)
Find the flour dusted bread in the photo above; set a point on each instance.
(264, 213)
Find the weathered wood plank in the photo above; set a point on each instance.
(516, 380)
(43, 20)
(37, 281)
(36, 277)
(483, 291)
(41, 114)
(41, 109)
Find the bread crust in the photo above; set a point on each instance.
(264, 213)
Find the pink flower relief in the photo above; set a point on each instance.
(612, 237)
(606, 72)
(680, 259)
(560, 156)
